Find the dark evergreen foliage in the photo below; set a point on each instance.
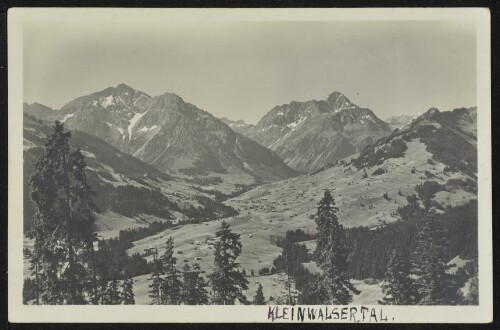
(130, 200)
(435, 284)
(427, 190)
(155, 282)
(228, 283)
(370, 156)
(449, 148)
(259, 296)
(369, 250)
(399, 287)
(379, 171)
(194, 286)
(333, 285)
(29, 290)
(112, 295)
(63, 222)
(171, 283)
(127, 293)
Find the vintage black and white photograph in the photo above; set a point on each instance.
(232, 157)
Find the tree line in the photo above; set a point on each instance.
(225, 285)
(410, 256)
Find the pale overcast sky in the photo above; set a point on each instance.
(241, 70)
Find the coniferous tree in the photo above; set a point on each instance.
(112, 295)
(227, 281)
(472, 297)
(127, 294)
(201, 286)
(156, 281)
(194, 286)
(333, 286)
(398, 286)
(63, 222)
(188, 286)
(259, 297)
(171, 283)
(435, 284)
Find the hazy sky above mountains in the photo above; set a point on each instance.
(241, 70)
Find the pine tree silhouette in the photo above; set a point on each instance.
(334, 286)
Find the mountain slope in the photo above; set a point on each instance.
(359, 182)
(172, 135)
(128, 187)
(313, 134)
(109, 114)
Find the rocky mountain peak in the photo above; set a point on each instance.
(124, 89)
(312, 134)
(339, 101)
(432, 111)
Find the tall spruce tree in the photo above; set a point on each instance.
(472, 297)
(435, 284)
(259, 299)
(63, 222)
(399, 286)
(156, 283)
(201, 286)
(127, 294)
(112, 294)
(188, 286)
(228, 283)
(171, 284)
(333, 286)
(194, 286)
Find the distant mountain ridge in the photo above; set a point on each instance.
(38, 110)
(171, 134)
(239, 126)
(309, 135)
(399, 121)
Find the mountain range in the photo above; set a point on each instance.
(313, 134)
(157, 158)
(170, 134)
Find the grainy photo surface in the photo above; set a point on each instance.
(279, 165)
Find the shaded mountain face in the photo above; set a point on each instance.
(313, 134)
(170, 134)
(175, 135)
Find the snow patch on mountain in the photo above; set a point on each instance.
(133, 122)
(66, 117)
(107, 101)
(87, 154)
(296, 123)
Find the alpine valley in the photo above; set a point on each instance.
(166, 166)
